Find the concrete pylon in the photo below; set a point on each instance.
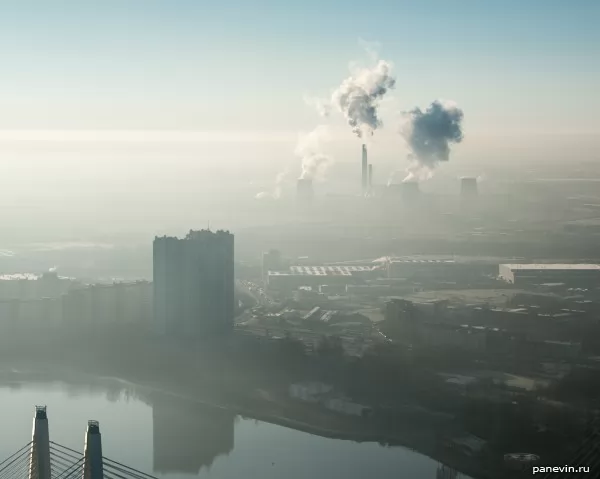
(92, 456)
(39, 462)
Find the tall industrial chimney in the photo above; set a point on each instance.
(370, 177)
(364, 169)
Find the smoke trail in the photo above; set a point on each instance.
(276, 192)
(429, 134)
(358, 97)
(309, 148)
(321, 105)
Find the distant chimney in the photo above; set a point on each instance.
(364, 169)
(370, 177)
(468, 187)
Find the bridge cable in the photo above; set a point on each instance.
(21, 465)
(75, 467)
(120, 471)
(23, 456)
(115, 473)
(20, 450)
(127, 468)
(64, 456)
(77, 453)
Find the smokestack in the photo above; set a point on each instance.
(468, 187)
(370, 177)
(364, 169)
(304, 190)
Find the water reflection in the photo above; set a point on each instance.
(188, 436)
(173, 438)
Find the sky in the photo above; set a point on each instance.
(126, 107)
(233, 67)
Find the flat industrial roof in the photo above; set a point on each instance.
(309, 273)
(327, 270)
(421, 261)
(560, 266)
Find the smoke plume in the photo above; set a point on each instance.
(310, 149)
(358, 97)
(429, 135)
(321, 105)
(276, 192)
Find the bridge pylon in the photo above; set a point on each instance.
(93, 466)
(39, 459)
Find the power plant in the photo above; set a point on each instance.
(408, 191)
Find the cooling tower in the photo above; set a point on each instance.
(304, 190)
(468, 186)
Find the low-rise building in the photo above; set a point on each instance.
(568, 273)
(439, 335)
(315, 276)
(110, 304)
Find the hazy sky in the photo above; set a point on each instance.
(167, 107)
(243, 66)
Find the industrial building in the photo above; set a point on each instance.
(567, 273)
(468, 187)
(271, 261)
(315, 276)
(436, 268)
(194, 284)
(408, 191)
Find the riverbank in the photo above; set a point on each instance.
(236, 387)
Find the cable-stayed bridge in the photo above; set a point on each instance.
(42, 458)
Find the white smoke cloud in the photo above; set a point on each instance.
(321, 105)
(310, 149)
(371, 48)
(359, 95)
(277, 190)
(429, 135)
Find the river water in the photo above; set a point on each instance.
(174, 438)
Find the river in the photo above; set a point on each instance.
(174, 438)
